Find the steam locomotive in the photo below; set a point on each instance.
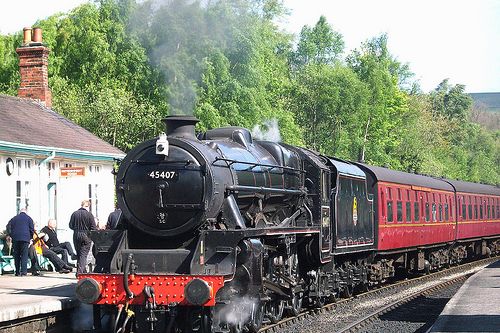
(221, 233)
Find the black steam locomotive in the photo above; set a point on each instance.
(220, 233)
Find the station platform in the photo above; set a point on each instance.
(28, 296)
(476, 305)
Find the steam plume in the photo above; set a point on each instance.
(179, 36)
(268, 132)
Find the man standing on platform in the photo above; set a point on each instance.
(53, 243)
(113, 219)
(81, 222)
(21, 229)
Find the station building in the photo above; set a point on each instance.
(48, 163)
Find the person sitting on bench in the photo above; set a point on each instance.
(39, 247)
(53, 243)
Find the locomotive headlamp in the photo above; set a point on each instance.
(162, 145)
(88, 290)
(197, 292)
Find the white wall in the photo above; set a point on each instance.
(70, 191)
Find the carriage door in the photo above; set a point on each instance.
(326, 239)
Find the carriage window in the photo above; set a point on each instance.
(475, 212)
(389, 211)
(470, 211)
(427, 212)
(417, 211)
(481, 212)
(489, 211)
(399, 205)
(464, 211)
(440, 212)
(434, 213)
(446, 212)
(408, 211)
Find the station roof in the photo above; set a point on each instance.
(26, 122)
(405, 178)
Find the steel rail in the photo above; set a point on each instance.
(285, 322)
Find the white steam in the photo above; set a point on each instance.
(269, 131)
(180, 37)
(238, 312)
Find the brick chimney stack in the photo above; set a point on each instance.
(33, 67)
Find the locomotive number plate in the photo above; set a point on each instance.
(163, 175)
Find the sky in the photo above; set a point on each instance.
(439, 39)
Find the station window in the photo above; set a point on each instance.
(417, 211)
(427, 212)
(446, 212)
(389, 211)
(408, 211)
(399, 205)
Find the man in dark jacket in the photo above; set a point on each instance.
(21, 229)
(113, 219)
(53, 243)
(81, 222)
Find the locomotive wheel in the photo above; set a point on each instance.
(236, 328)
(274, 310)
(319, 302)
(199, 320)
(295, 304)
(347, 291)
(257, 318)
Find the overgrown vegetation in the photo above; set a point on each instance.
(118, 66)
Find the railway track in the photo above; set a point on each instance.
(352, 314)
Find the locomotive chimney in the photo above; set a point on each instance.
(181, 126)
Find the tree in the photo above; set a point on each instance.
(451, 101)
(319, 45)
(382, 73)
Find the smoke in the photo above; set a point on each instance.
(268, 132)
(180, 35)
(238, 312)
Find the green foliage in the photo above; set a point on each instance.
(329, 103)
(451, 101)
(319, 45)
(9, 65)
